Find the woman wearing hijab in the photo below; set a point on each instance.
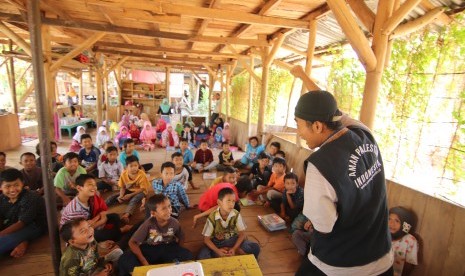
(169, 137)
(165, 110)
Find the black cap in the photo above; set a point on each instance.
(317, 106)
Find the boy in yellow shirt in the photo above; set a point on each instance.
(229, 176)
(133, 185)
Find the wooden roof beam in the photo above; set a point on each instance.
(199, 79)
(364, 13)
(205, 22)
(353, 33)
(443, 18)
(164, 50)
(84, 45)
(15, 38)
(161, 58)
(416, 24)
(276, 45)
(245, 65)
(399, 15)
(145, 64)
(116, 65)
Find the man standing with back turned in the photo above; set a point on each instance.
(345, 192)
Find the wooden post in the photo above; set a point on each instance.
(373, 77)
(221, 77)
(80, 89)
(50, 78)
(264, 92)
(249, 110)
(228, 87)
(167, 83)
(34, 24)
(105, 91)
(289, 103)
(12, 80)
(211, 79)
(119, 81)
(99, 83)
(310, 51)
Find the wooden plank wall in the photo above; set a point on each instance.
(441, 225)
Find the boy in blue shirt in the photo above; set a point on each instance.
(188, 159)
(172, 189)
(89, 154)
(128, 150)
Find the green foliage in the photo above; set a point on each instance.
(203, 107)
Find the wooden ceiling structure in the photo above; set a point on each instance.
(220, 37)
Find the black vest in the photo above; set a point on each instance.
(352, 164)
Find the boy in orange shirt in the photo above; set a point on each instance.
(274, 189)
(133, 185)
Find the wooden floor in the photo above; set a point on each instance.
(278, 255)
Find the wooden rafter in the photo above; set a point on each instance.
(353, 33)
(245, 65)
(205, 22)
(46, 6)
(443, 18)
(399, 15)
(276, 45)
(15, 38)
(116, 65)
(418, 23)
(84, 45)
(199, 79)
(363, 12)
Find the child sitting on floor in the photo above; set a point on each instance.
(129, 150)
(203, 159)
(76, 143)
(122, 136)
(273, 149)
(81, 257)
(189, 135)
(292, 201)
(202, 134)
(188, 159)
(225, 157)
(134, 132)
(133, 186)
(404, 245)
(218, 137)
(226, 133)
(148, 136)
(110, 170)
(260, 172)
(301, 237)
(169, 137)
(160, 127)
(102, 137)
(103, 156)
(229, 176)
(224, 230)
(3, 165)
(89, 154)
(65, 179)
(158, 240)
(253, 149)
(181, 174)
(22, 214)
(174, 190)
(32, 175)
(89, 205)
(208, 201)
(274, 189)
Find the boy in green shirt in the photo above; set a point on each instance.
(65, 179)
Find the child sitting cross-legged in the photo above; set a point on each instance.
(225, 157)
(22, 214)
(274, 190)
(224, 230)
(133, 185)
(253, 149)
(229, 176)
(203, 159)
(89, 154)
(174, 190)
(188, 159)
(158, 240)
(81, 256)
(292, 201)
(65, 179)
(129, 150)
(260, 172)
(32, 175)
(110, 170)
(87, 204)
(181, 174)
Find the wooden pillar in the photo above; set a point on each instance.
(106, 93)
(120, 85)
(50, 78)
(289, 102)
(373, 77)
(80, 89)
(211, 79)
(34, 25)
(310, 51)
(221, 77)
(167, 83)
(263, 94)
(228, 88)
(11, 79)
(249, 110)
(99, 84)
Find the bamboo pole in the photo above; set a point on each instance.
(167, 83)
(221, 77)
(417, 24)
(16, 38)
(12, 80)
(99, 84)
(50, 77)
(264, 92)
(394, 20)
(228, 84)
(354, 34)
(310, 51)
(34, 25)
(249, 110)
(23, 74)
(373, 77)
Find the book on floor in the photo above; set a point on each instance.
(272, 222)
(191, 269)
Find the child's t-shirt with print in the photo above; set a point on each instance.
(109, 170)
(151, 233)
(89, 158)
(182, 177)
(138, 182)
(405, 250)
(63, 179)
(76, 261)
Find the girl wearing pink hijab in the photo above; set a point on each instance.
(122, 136)
(226, 133)
(169, 137)
(148, 136)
